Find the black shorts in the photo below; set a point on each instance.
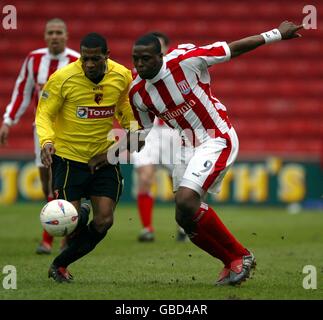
(73, 180)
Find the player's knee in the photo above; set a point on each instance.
(145, 178)
(184, 213)
(185, 220)
(103, 222)
(144, 186)
(108, 222)
(186, 203)
(186, 206)
(145, 182)
(180, 218)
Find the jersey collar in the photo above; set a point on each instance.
(57, 56)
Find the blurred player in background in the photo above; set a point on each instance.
(176, 88)
(75, 115)
(159, 144)
(36, 69)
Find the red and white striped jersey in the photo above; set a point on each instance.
(158, 121)
(34, 73)
(180, 93)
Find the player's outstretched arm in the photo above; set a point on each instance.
(286, 30)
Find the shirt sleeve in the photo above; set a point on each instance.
(22, 93)
(211, 54)
(49, 105)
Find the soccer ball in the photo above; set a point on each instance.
(59, 218)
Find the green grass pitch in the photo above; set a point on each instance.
(121, 268)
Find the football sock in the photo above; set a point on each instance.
(201, 238)
(83, 218)
(84, 242)
(210, 228)
(47, 238)
(84, 215)
(145, 207)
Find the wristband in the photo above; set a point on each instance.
(272, 36)
(8, 122)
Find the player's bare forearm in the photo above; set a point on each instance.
(246, 44)
(286, 30)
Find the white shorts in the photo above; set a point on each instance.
(160, 148)
(203, 168)
(37, 148)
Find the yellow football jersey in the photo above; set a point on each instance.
(77, 115)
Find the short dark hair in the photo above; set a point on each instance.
(161, 35)
(94, 40)
(149, 39)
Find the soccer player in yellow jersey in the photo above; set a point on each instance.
(74, 117)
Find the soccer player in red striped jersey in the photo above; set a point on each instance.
(176, 88)
(36, 69)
